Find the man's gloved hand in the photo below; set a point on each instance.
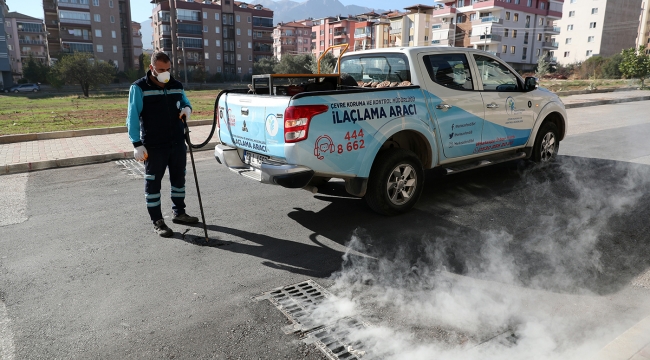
(186, 111)
(140, 153)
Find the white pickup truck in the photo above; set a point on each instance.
(407, 109)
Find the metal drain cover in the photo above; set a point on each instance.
(132, 167)
(297, 302)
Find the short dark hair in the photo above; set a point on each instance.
(159, 56)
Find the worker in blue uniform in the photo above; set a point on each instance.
(157, 103)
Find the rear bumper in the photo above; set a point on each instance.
(285, 175)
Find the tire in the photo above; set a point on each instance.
(547, 144)
(35, 90)
(395, 182)
(15, 91)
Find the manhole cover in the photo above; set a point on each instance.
(132, 167)
(297, 302)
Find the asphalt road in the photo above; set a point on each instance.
(558, 256)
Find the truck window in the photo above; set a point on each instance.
(449, 70)
(377, 67)
(496, 76)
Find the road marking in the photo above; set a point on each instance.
(13, 198)
(6, 337)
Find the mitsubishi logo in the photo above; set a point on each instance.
(244, 128)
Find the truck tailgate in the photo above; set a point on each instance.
(253, 123)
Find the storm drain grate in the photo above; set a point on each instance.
(132, 167)
(334, 342)
(297, 302)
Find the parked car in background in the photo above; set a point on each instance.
(25, 88)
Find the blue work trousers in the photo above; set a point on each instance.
(174, 157)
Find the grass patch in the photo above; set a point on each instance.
(41, 112)
(569, 85)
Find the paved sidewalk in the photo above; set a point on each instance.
(22, 153)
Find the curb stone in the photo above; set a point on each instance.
(606, 102)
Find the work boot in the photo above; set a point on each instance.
(160, 228)
(185, 219)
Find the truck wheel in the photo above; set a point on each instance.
(395, 182)
(547, 144)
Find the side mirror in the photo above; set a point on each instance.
(530, 83)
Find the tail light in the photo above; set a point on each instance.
(296, 121)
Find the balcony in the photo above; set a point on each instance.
(188, 18)
(485, 39)
(443, 26)
(395, 31)
(487, 20)
(362, 36)
(497, 54)
(340, 34)
(74, 21)
(33, 53)
(554, 30)
(550, 45)
(31, 42)
(63, 5)
(442, 42)
(444, 12)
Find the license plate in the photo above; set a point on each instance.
(253, 159)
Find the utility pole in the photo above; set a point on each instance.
(174, 36)
(184, 64)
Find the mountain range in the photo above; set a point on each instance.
(289, 10)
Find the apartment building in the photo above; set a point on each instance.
(518, 31)
(597, 27)
(25, 37)
(643, 34)
(137, 43)
(333, 30)
(5, 67)
(222, 36)
(292, 38)
(100, 27)
(369, 27)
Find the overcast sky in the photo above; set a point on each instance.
(141, 9)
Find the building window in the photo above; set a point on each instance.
(250, 45)
(238, 57)
(238, 44)
(507, 15)
(238, 69)
(513, 49)
(504, 49)
(542, 5)
(250, 32)
(250, 70)
(100, 48)
(505, 32)
(115, 49)
(238, 18)
(110, 3)
(594, 11)
(205, 42)
(524, 53)
(539, 51)
(10, 47)
(112, 19)
(216, 16)
(218, 56)
(514, 33)
(207, 56)
(98, 33)
(530, 3)
(97, 17)
(216, 29)
(250, 57)
(569, 27)
(218, 43)
(218, 69)
(590, 39)
(516, 18)
(589, 52)
(567, 41)
(539, 37)
(592, 25)
(205, 16)
(95, 2)
(205, 28)
(248, 19)
(572, 13)
(566, 54)
(238, 31)
(113, 34)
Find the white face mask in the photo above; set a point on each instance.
(163, 77)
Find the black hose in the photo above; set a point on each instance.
(214, 117)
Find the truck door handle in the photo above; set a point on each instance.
(492, 106)
(443, 106)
